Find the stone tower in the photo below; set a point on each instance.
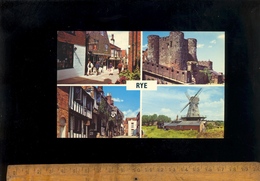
(192, 47)
(153, 48)
(178, 50)
(172, 51)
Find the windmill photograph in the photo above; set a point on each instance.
(183, 112)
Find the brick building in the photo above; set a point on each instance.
(62, 112)
(78, 113)
(76, 48)
(116, 55)
(98, 47)
(134, 50)
(186, 125)
(71, 54)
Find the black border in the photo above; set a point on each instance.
(28, 79)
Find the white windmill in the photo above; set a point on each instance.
(193, 113)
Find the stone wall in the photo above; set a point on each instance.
(179, 75)
(207, 64)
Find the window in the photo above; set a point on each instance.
(132, 125)
(106, 47)
(89, 105)
(70, 32)
(64, 55)
(98, 97)
(102, 33)
(95, 45)
(78, 95)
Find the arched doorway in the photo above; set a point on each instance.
(62, 128)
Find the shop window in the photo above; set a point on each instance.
(64, 55)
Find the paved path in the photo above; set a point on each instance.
(103, 78)
(125, 137)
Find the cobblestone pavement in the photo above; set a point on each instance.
(103, 78)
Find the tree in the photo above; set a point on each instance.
(153, 118)
(207, 72)
(104, 113)
(145, 120)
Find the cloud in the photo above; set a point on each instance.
(210, 46)
(117, 99)
(165, 110)
(213, 110)
(130, 113)
(200, 45)
(222, 36)
(145, 46)
(213, 42)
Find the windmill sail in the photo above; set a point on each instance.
(193, 110)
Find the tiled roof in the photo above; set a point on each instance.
(184, 123)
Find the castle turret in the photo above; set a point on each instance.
(153, 48)
(178, 49)
(192, 48)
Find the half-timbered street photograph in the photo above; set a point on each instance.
(98, 112)
(98, 57)
(183, 112)
(178, 57)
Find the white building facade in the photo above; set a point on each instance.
(132, 125)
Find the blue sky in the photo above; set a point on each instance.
(210, 45)
(127, 101)
(120, 37)
(170, 100)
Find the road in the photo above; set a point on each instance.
(103, 78)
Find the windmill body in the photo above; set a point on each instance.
(193, 113)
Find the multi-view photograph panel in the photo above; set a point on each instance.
(188, 68)
(98, 57)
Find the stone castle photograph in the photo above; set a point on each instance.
(171, 58)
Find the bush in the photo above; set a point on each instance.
(127, 75)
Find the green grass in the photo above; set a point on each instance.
(212, 133)
(153, 132)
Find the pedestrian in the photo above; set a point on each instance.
(89, 66)
(97, 67)
(110, 129)
(119, 66)
(101, 67)
(110, 69)
(122, 67)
